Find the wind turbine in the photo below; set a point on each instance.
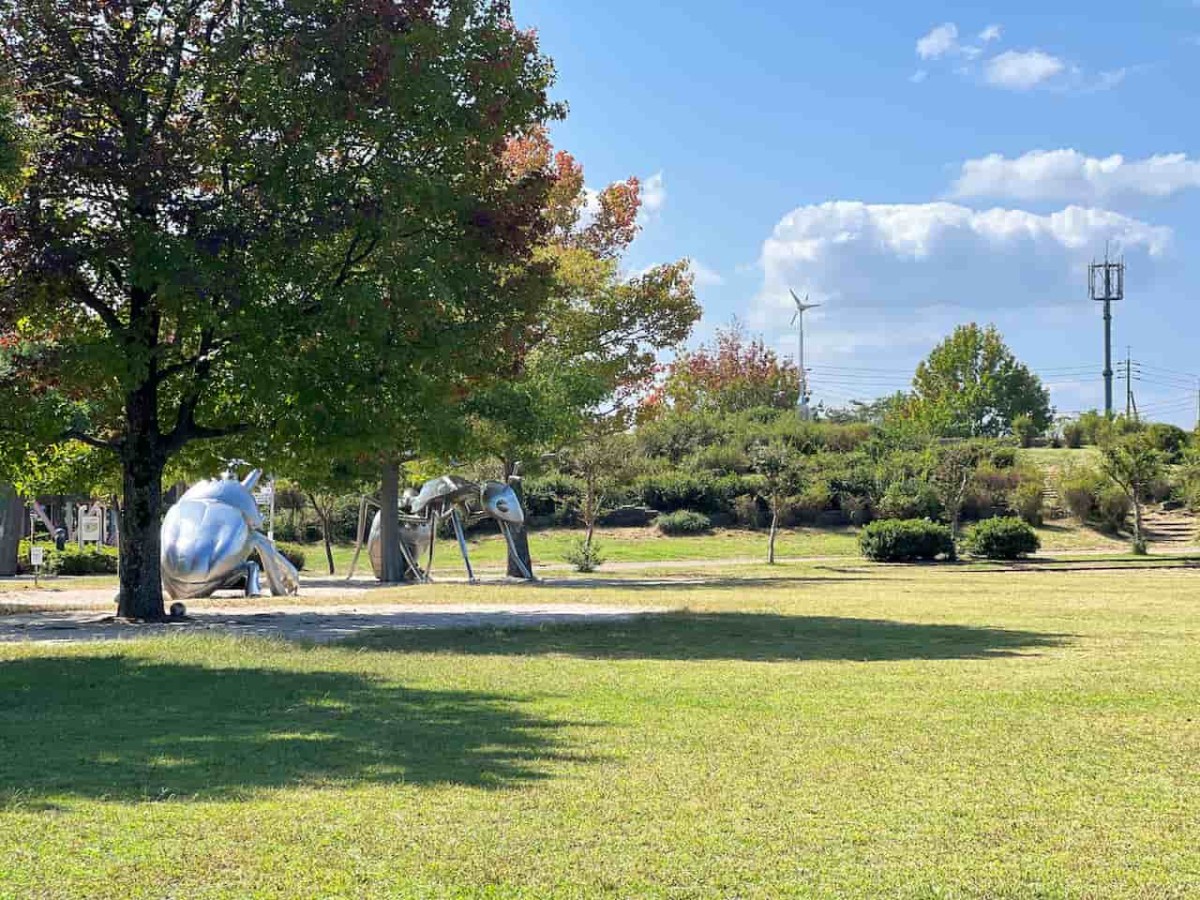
(802, 306)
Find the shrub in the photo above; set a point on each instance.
(549, 494)
(1003, 457)
(724, 459)
(1078, 489)
(584, 557)
(1167, 439)
(1026, 499)
(1002, 538)
(293, 554)
(810, 502)
(671, 491)
(905, 540)
(909, 499)
(1025, 430)
(683, 521)
(92, 560)
(1072, 435)
(748, 511)
(1112, 508)
(990, 490)
(343, 524)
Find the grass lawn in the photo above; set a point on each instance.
(834, 730)
(644, 545)
(1053, 459)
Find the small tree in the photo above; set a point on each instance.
(601, 460)
(951, 476)
(781, 479)
(1132, 464)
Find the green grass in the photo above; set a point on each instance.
(1054, 458)
(646, 545)
(826, 730)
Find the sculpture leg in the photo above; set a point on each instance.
(281, 574)
(411, 561)
(513, 554)
(462, 543)
(433, 524)
(253, 582)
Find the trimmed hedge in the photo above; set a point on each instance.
(1006, 537)
(70, 560)
(906, 540)
(684, 521)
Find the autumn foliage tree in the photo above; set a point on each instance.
(733, 373)
(256, 218)
(593, 349)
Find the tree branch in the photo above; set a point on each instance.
(107, 314)
(99, 443)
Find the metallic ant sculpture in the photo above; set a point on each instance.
(208, 537)
(460, 501)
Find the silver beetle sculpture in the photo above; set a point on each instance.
(460, 501)
(209, 536)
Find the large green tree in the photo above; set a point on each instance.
(254, 218)
(971, 385)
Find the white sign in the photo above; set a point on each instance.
(37, 556)
(89, 528)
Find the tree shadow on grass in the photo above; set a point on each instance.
(124, 728)
(727, 636)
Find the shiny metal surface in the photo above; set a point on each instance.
(208, 537)
(454, 498)
(416, 537)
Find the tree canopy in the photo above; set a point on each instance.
(593, 349)
(267, 219)
(733, 373)
(971, 385)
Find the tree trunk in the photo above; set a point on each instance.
(322, 517)
(141, 595)
(520, 537)
(12, 522)
(1137, 520)
(392, 568)
(771, 538)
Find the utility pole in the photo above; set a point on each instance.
(1106, 283)
(802, 306)
(1128, 385)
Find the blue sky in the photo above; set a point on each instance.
(912, 166)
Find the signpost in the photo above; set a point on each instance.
(89, 528)
(37, 557)
(265, 496)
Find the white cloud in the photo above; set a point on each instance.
(1070, 175)
(892, 259)
(1020, 70)
(938, 42)
(918, 76)
(654, 193)
(706, 277)
(991, 33)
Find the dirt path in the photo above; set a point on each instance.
(319, 624)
